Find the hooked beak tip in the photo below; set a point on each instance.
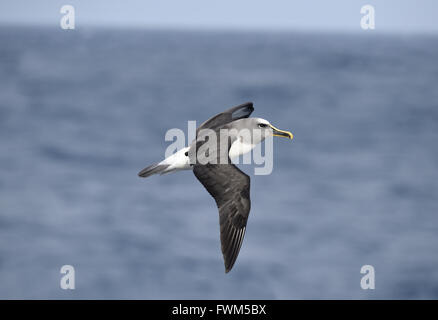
(281, 133)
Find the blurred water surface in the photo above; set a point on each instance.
(82, 112)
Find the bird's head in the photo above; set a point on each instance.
(268, 129)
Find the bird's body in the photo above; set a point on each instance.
(218, 140)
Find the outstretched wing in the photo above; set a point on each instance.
(235, 113)
(229, 186)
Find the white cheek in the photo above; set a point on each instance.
(268, 133)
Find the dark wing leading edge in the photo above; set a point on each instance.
(229, 186)
(235, 113)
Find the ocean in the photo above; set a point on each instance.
(82, 111)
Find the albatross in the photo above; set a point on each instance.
(225, 182)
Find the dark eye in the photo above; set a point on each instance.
(262, 125)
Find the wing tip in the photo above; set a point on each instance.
(249, 105)
(228, 268)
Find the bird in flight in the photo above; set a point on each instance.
(226, 183)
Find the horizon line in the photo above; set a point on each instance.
(225, 29)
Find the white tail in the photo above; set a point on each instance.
(176, 162)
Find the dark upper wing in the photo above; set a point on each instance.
(235, 113)
(229, 186)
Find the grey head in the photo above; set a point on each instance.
(255, 130)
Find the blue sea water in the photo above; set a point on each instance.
(81, 112)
